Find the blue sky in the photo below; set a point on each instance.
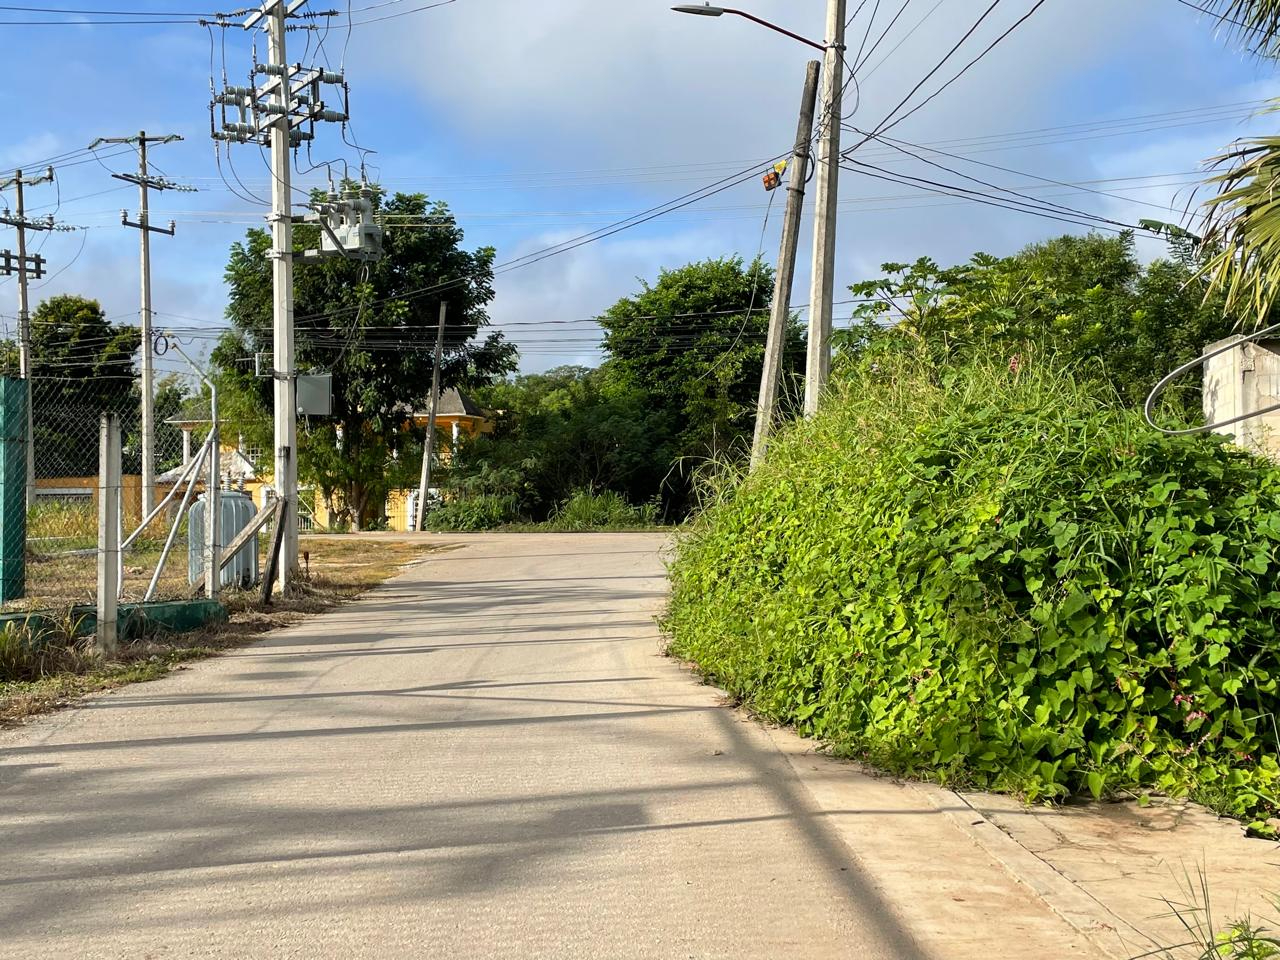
(537, 122)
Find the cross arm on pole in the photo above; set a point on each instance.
(137, 138)
(167, 231)
(46, 177)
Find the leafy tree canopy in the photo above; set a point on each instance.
(563, 431)
(1084, 299)
(82, 365)
(373, 327)
(693, 342)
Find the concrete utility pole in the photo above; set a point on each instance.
(785, 276)
(281, 113)
(108, 532)
(822, 292)
(428, 445)
(23, 269)
(283, 360)
(146, 183)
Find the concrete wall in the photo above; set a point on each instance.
(1240, 381)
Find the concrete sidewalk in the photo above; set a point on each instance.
(488, 757)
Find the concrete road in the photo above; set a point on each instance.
(487, 758)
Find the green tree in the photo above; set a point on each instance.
(373, 327)
(1086, 300)
(693, 344)
(170, 395)
(561, 432)
(82, 366)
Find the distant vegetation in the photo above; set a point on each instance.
(622, 444)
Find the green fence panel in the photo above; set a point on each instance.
(13, 488)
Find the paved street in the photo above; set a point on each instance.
(487, 758)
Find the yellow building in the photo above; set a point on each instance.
(246, 468)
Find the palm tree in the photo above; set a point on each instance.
(1242, 231)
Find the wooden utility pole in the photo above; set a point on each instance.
(428, 444)
(25, 264)
(797, 173)
(145, 183)
(822, 292)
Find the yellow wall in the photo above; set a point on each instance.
(130, 490)
(397, 510)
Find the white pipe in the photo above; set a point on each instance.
(186, 472)
(173, 532)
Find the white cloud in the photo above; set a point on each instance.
(577, 84)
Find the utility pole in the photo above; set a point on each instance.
(23, 268)
(283, 360)
(822, 292)
(785, 276)
(428, 446)
(280, 113)
(146, 183)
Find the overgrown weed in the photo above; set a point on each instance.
(994, 574)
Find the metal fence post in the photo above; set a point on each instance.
(109, 467)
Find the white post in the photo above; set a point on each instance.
(822, 291)
(429, 443)
(108, 533)
(786, 272)
(213, 506)
(286, 406)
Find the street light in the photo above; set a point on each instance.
(822, 290)
(707, 10)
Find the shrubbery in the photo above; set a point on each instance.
(601, 510)
(990, 576)
(483, 511)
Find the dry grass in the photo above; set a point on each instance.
(341, 568)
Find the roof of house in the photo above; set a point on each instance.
(455, 403)
(232, 465)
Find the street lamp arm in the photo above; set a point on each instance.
(773, 26)
(707, 10)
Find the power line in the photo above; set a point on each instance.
(1215, 14)
(862, 59)
(404, 13)
(928, 76)
(965, 69)
(995, 166)
(976, 196)
(1015, 193)
(909, 34)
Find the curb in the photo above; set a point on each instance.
(1099, 925)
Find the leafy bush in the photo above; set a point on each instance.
(604, 510)
(482, 512)
(993, 577)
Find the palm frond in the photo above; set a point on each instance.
(1256, 22)
(1242, 229)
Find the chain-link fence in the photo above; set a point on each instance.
(64, 495)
